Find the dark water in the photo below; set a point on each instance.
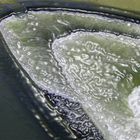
(16, 121)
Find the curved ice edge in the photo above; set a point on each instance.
(35, 89)
(48, 112)
(44, 111)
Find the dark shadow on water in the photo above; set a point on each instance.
(16, 122)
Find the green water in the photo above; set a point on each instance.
(87, 57)
(128, 5)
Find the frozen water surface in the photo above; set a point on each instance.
(87, 58)
(103, 70)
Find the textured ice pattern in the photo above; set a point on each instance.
(82, 58)
(102, 68)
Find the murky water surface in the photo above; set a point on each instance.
(87, 58)
(16, 120)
